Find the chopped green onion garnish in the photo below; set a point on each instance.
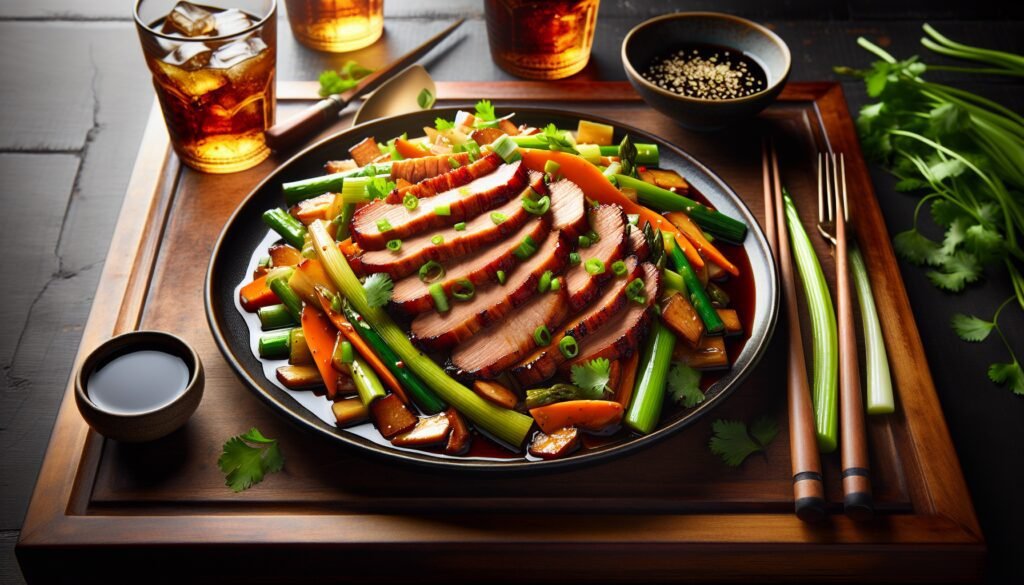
(541, 336)
(497, 217)
(635, 291)
(460, 226)
(556, 284)
(383, 225)
(440, 299)
(347, 356)
(443, 210)
(501, 276)
(538, 207)
(594, 266)
(585, 241)
(592, 235)
(526, 248)
(463, 289)
(437, 240)
(453, 163)
(411, 201)
(469, 146)
(574, 258)
(431, 271)
(551, 167)
(394, 245)
(545, 281)
(590, 152)
(506, 149)
(634, 218)
(569, 347)
(619, 268)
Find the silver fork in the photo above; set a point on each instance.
(833, 213)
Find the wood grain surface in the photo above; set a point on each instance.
(73, 110)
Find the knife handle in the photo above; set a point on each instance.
(290, 132)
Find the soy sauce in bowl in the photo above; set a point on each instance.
(138, 381)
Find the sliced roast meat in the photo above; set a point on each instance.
(492, 301)
(568, 206)
(412, 295)
(609, 223)
(379, 221)
(622, 337)
(543, 363)
(493, 350)
(637, 244)
(478, 232)
(418, 169)
(340, 166)
(447, 180)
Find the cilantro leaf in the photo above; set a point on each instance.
(734, 443)
(379, 288)
(247, 458)
(485, 111)
(915, 247)
(684, 385)
(332, 82)
(944, 211)
(956, 272)
(593, 375)
(948, 168)
(557, 139)
(909, 184)
(379, 187)
(971, 328)
(1010, 374)
(987, 244)
(955, 235)
(442, 125)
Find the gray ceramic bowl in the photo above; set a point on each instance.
(664, 33)
(148, 425)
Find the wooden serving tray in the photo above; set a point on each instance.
(672, 512)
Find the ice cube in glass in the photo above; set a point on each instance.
(191, 20)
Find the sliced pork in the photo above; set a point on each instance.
(446, 179)
(379, 221)
(492, 301)
(637, 245)
(609, 222)
(418, 169)
(544, 361)
(412, 295)
(491, 351)
(568, 206)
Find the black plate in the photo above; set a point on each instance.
(245, 230)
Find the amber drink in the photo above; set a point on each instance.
(336, 26)
(213, 71)
(541, 39)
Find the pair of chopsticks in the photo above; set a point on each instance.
(808, 488)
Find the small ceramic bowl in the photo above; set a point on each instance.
(665, 33)
(150, 424)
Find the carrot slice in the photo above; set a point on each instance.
(696, 236)
(597, 187)
(360, 345)
(409, 149)
(592, 415)
(629, 368)
(320, 337)
(257, 294)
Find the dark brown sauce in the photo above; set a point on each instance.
(705, 71)
(137, 382)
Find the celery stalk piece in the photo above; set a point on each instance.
(825, 340)
(879, 383)
(649, 394)
(508, 425)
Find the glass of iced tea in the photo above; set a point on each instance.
(541, 39)
(336, 26)
(213, 70)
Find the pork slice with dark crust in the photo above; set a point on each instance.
(492, 301)
(446, 180)
(379, 221)
(568, 205)
(411, 295)
(421, 168)
(478, 232)
(543, 362)
(609, 222)
(493, 350)
(637, 245)
(621, 338)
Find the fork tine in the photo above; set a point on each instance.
(830, 174)
(846, 202)
(821, 194)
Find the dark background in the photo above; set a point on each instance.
(75, 94)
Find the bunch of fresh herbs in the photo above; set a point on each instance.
(965, 155)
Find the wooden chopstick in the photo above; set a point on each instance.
(808, 489)
(857, 501)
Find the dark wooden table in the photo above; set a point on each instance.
(74, 100)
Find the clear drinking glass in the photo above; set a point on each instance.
(336, 26)
(541, 39)
(213, 71)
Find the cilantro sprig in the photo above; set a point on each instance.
(557, 139)
(734, 442)
(684, 385)
(593, 376)
(342, 80)
(247, 458)
(379, 288)
(975, 329)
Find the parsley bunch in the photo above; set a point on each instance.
(965, 155)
